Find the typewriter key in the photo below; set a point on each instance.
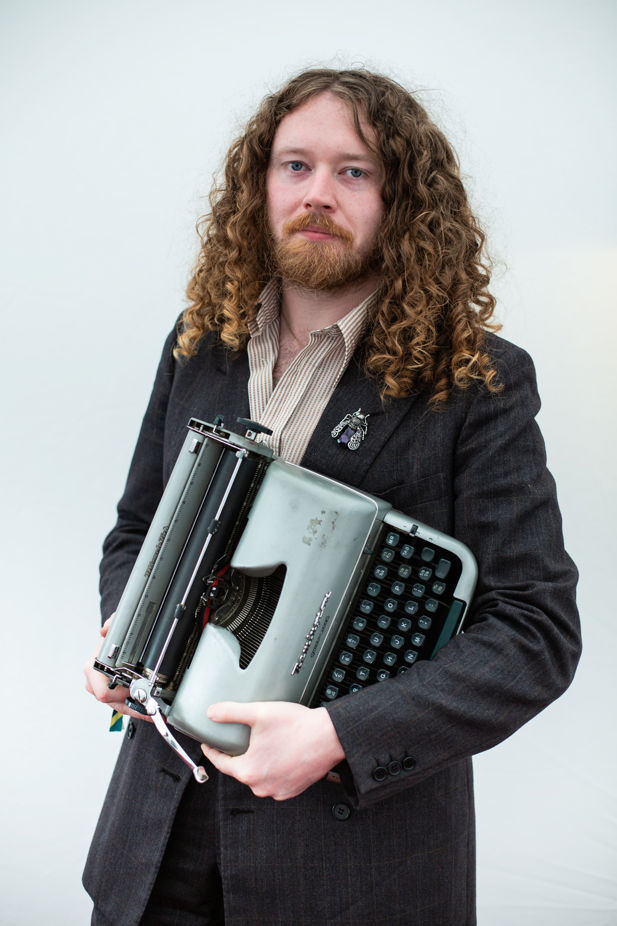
(443, 568)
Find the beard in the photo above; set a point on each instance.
(320, 265)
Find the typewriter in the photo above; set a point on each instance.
(260, 580)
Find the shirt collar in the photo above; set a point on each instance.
(351, 326)
(268, 307)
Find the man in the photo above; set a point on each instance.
(341, 268)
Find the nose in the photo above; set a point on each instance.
(319, 192)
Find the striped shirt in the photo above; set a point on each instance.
(294, 406)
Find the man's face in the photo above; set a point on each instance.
(324, 196)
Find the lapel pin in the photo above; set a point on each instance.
(351, 431)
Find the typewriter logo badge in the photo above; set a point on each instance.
(309, 637)
(351, 430)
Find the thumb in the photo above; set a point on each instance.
(233, 712)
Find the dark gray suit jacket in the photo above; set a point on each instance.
(398, 849)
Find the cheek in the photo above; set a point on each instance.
(277, 204)
(373, 218)
(380, 211)
(271, 200)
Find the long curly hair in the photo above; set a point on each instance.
(427, 327)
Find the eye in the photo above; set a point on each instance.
(295, 166)
(355, 172)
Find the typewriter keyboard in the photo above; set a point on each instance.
(404, 611)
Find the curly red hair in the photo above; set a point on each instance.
(428, 323)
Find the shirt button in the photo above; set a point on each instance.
(130, 730)
(394, 767)
(409, 763)
(341, 811)
(380, 773)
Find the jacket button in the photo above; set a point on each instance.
(394, 767)
(409, 763)
(380, 773)
(341, 811)
(130, 730)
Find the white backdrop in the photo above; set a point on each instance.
(114, 117)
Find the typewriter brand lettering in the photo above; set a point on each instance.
(309, 637)
(316, 646)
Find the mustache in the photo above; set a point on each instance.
(317, 220)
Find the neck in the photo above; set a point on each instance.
(306, 310)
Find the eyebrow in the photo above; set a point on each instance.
(345, 156)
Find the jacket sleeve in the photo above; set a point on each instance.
(143, 490)
(521, 643)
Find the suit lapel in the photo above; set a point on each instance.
(354, 391)
(226, 385)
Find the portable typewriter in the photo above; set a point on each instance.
(260, 580)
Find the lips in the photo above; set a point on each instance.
(318, 231)
(321, 227)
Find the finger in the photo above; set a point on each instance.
(97, 684)
(105, 627)
(219, 760)
(102, 692)
(114, 700)
(234, 712)
(122, 708)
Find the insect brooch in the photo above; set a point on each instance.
(351, 431)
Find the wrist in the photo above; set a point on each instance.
(329, 737)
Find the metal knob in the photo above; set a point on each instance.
(253, 427)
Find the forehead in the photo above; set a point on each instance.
(328, 120)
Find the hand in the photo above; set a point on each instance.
(291, 746)
(97, 684)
